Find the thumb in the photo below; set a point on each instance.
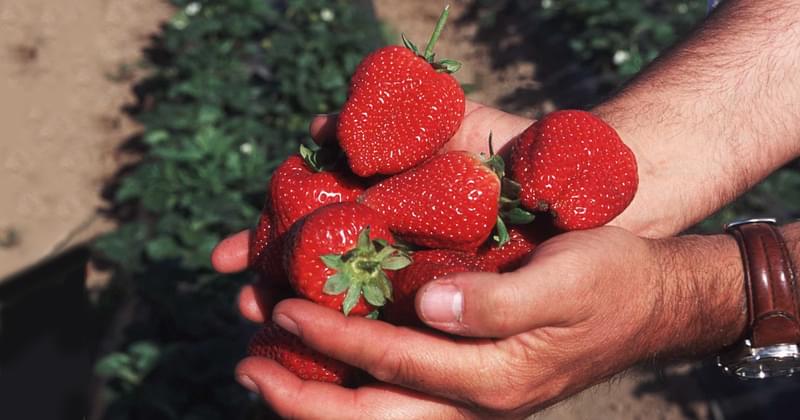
(495, 305)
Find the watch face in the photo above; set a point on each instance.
(764, 362)
(768, 367)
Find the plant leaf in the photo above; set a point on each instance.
(364, 243)
(333, 261)
(396, 262)
(518, 216)
(351, 299)
(447, 66)
(374, 295)
(408, 44)
(386, 286)
(501, 233)
(336, 284)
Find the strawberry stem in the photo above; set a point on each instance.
(361, 271)
(319, 159)
(437, 31)
(509, 210)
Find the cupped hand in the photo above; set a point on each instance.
(586, 306)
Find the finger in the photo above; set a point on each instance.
(479, 121)
(497, 305)
(401, 356)
(292, 397)
(248, 305)
(230, 255)
(256, 301)
(323, 128)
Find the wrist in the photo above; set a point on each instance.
(703, 305)
(791, 236)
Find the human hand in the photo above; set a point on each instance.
(620, 300)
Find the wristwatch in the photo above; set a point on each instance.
(771, 346)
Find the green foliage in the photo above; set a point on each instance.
(232, 87)
(602, 41)
(620, 36)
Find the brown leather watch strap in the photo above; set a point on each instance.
(770, 282)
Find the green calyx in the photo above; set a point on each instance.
(319, 159)
(361, 271)
(509, 211)
(445, 65)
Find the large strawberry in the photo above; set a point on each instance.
(574, 165)
(341, 256)
(300, 185)
(428, 265)
(450, 201)
(273, 342)
(403, 106)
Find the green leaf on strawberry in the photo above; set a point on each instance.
(361, 271)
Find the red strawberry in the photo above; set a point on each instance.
(300, 185)
(402, 107)
(260, 238)
(306, 182)
(344, 247)
(265, 256)
(574, 165)
(428, 265)
(275, 343)
(450, 201)
(522, 241)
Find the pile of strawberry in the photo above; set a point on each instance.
(361, 225)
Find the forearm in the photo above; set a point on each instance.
(703, 289)
(713, 116)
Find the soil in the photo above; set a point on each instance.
(66, 69)
(485, 82)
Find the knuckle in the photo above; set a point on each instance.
(502, 395)
(394, 367)
(519, 385)
(499, 401)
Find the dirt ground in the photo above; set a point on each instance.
(416, 20)
(63, 83)
(65, 75)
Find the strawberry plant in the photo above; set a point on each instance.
(231, 88)
(588, 47)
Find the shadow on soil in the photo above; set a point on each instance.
(726, 397)
(512, 39)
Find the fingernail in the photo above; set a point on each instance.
(286, 323)
(246, 382)
(442, 304)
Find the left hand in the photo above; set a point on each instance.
(588, 305)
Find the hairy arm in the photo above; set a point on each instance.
(713, 116)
